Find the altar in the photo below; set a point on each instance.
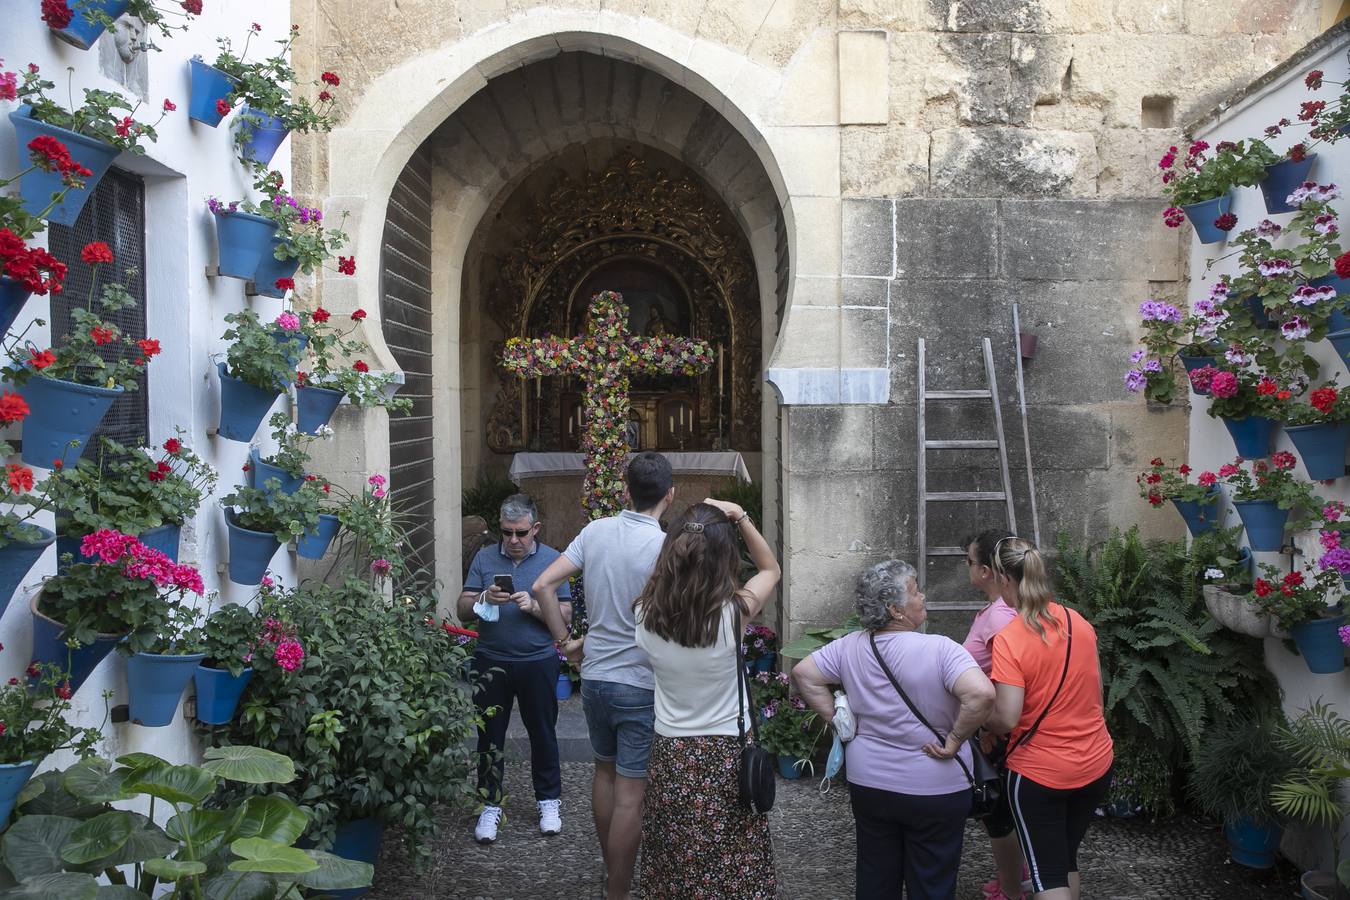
(554, 478)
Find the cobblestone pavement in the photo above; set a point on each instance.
(813, 850)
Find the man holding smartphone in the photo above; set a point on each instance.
(515, 661)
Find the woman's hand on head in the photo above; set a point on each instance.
(732, 510)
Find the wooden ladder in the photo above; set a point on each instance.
(988, 392)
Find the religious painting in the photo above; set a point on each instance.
(657, 302)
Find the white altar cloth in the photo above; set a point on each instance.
(726, 462)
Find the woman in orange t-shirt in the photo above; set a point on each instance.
(1049, 700)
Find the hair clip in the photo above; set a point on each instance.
(693, 527)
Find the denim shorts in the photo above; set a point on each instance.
(620, 719)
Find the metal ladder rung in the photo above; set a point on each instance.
(952, 496)
(962, 445)
(946, 551)
(954, 605)
(976, 394)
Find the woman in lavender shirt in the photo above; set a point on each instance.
(910, 798)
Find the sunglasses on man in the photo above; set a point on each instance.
(511, 532)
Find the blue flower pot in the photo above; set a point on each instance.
(1281, 180)
(1251, 435)
(63, 419)
(250, 552)
(261, 471)
(13, 296)
(1338, 321)
(163, 538)
(49, 646)
(1341, 341)
(13, 776)
(1257, 308)
(155, 683)
(270, 269)
(1252, 845)
(1264, 521)
(16, 561)
(564, 688)
(81, 32)
(1201, 517)
(765, 663)
(242, 240)
(209, 85)
(315, 407)
(36, 188)
(787, 769)
(1319, 643)
(1203, 214)
(243, 406)
(1322, 448)
(263, 138)
(219, 693)
(295, 352)
(314, 544)
(359, 840)
(1191, 363)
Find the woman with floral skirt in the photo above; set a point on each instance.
(697, 839)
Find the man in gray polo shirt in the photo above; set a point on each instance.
(617, 555)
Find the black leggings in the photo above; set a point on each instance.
(909, 842)
(1051, 824)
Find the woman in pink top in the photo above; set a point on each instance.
(1007, 882)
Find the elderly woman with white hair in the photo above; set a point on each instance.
(910, 797)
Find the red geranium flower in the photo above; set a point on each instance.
(169, 105)
(1262, 587)
(41, 359)
(1266, 387)
(360, 366)
(1283, 459)
(1225, 222)
(324, 96)
(1323, 399)
(173, 445)
(1298, 153)
(302, 378)
(320, 315)
(192, 7)
(361, 313)
(1314, 79)
(285, 284)
(13, 408)
(149, 346)
(96, 252)
(1206, 479)
(1343, 265)
(56, 13)
(1184, 469)
(330, 78)
(1310, 109)
(347, 265)
(20, 478)
(1293, 579)
(102, 335)
(64, 691)
(223, 108)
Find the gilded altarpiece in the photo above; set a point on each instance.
(633, 224)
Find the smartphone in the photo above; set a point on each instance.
(504, 583)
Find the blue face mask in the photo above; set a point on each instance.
(833, 764)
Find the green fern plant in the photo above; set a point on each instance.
(1168, 670)
(1319, 741)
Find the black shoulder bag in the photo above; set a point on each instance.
(985, 786)
(756, 776)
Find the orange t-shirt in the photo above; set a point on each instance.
(1071, 747)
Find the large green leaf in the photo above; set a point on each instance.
(55, 800)
(120, 892)
(58, 886)
(99, 837)
(175, 784)
(141, 760)
(274, 817)
(147, 841)
(174, 869)
(32, 845)
(29, 791)
(335, 873)
(206, 828)
(252, 765)
(262, 855)
(93, 780)
(240, 886)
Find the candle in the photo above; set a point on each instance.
(672, 424)
(721, 359)
(571, 424)
(681, 418)
(538, 386)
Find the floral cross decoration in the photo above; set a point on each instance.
(604, 358)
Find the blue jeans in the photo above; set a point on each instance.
(620, 719)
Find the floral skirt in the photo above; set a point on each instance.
(697, 841)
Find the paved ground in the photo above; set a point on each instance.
(813, 848)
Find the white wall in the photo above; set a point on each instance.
(185, 309)
(1210, 445)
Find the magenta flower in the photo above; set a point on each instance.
(381, 567)
(289, 655)
(288, 321)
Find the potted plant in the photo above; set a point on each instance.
(256, 369)
(157, 675)
(405, 750)
(142, 492)
(21, 540)
(287, 463)
(1320, 430)
(1201, 185)
(301, 242)
(760, 647)
(1166, 330)
(1247, 403)
(1265, 495)
(1197, 503)
(261, 519)
(1227, 583)
(226, 642)
(125, 593)
(95, 134)
(314, 543)
(272, 109)
(69, 388)
(1306, 603)
(243, 238)
(1141, 781)
(82, 25)
(1287, 172)
(71, 832)
(339, 373)
(1319, 741)
(791, 731)
(1234, 770)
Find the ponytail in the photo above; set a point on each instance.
(1023, 563)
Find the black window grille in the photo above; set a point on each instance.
(114, 214)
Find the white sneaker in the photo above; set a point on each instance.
(486, 830)
(550, 822)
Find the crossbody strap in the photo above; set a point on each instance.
(742, 689)
(1068, 652)
(942, 738)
